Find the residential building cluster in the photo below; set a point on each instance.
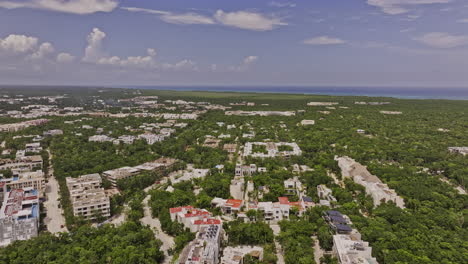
(19, 215)
(272, 149)
(260, 113)
(379, 191)
(126, 172)
(22, 125)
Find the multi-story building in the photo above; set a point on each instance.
(205, 248)
(374, 187)
(88, 199)
(32, 179)
(19, 215)
(121, 173)
(350, 249)
(26, 163)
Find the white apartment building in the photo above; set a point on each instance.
(151, 138)
(374, 187)
(272, 149)
(349, 249)
(87, 197)
(100, 138)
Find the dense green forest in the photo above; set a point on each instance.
(409, 152)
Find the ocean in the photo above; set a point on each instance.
(396, 92)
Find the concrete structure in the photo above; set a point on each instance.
(230, 148)
(379, 191)
(100, 138)
(235, 255)
(126, 172)
(459, 150)
(322, 103)
(211, 142)
(260, 113)
(188, 174)
(23, 164)
(293, 186)
(272, 150)
(325, 195)
(22, 125)
(87, 197)
(307, 122)
(19, 215)
(236, 189)
(205, 248)
(350, 249)
(151, 138)
(121, 173)
(34, 179)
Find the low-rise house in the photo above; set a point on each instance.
(211, 142)
(100, 138)
(307, 122)
(19, 215)
(228, 206)
(459, 150)
(53, 132)
(293, 186)
(88, 199)
(235, 255)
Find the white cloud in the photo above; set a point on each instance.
(282, 4)
(44, 50)
(396, 7)
(246, 63)
(240, 19)
(93, 51)
(248, 20)
(250, 59)
(65, 57)
(169, 17)
(323, 40)
(181, 65)
(464, 20)
(443, 40)
(95, 54)
(18, 44)
(80, 7)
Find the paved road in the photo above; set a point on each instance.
(279, 250)
(54, 219)
(318, 251)
(167, 241)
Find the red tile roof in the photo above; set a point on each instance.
(234, 203)
(208, 221)
(283, 200)
(179, 209)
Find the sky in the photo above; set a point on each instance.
(421, 43)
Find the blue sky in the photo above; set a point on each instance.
(242, 42)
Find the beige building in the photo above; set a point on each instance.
(87, 197)
(33, 179)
